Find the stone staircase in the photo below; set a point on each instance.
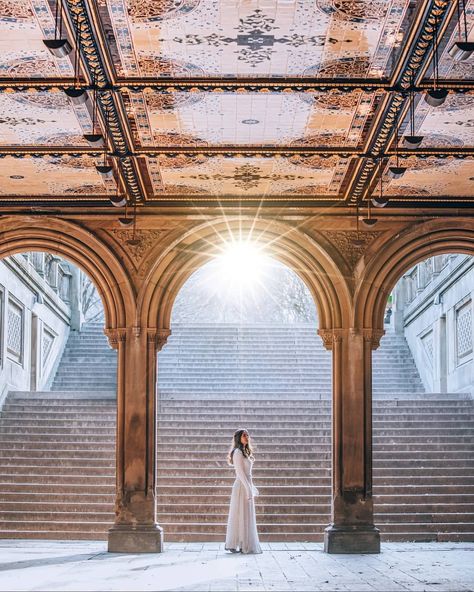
(57, 448)
(88, 363)
(263, 360)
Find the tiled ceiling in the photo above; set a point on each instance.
(211, 100)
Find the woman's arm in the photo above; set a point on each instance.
(238, 459)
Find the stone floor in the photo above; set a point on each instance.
(85, 565)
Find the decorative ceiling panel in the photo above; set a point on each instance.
(23, 26)
(448, 67)
(191, 38)
(244, 177)
(41, 118)
(307, 119)
(434, 177)
(66, 175)
(448, 126)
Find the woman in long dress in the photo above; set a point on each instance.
(242, 535)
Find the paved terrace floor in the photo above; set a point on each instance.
(85, 565)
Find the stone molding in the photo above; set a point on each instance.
(332, 336)
(116, 336)
(158, 337)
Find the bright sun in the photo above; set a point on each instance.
(241, 265)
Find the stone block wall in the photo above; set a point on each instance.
(433, 306)
(35, 317)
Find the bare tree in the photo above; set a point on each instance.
(91, 304)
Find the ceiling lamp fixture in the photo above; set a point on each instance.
(59, 47)
(436, 96)
(125, 220)
(78, 96)
(461, 50)
(397, 171)
(378, 201)
(105, 170)
(412, 141)
(94, 139)
(134, 241)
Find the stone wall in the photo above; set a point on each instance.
(433, 306)
(35, 318)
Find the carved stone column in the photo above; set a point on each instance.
(352, 529)
(135, 529)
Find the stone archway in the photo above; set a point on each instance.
(381, 273)
(352, 527)
(288, 245)
(408, 248)
(83, 249)
(89, 253)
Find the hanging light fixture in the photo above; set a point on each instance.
(358, 241)
(95, 139)
(436, 96)
(378, 201)
(118, 200)
(59, 47)
(412, 141)
(105, 170)
(125, 221)
(134, 241)
(461, 50)
(78, 96)
(396, 171)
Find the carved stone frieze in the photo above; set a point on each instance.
(351, 244)
(138, 245)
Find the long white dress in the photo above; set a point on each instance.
(242, 532)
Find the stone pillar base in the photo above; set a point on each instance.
(356, 539)
(135, 539)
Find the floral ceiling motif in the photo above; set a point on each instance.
(197, 39)
(159, 10)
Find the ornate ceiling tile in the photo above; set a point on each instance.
(23, 26)
(41, 118)
(232, 39)
(50, 176)
(218, 176)
(441, 178)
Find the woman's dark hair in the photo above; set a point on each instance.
(236, 444)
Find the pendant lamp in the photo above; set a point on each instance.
(461, 50)
(59, 47)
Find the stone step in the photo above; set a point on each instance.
(41, 497)
(83, 526)
(275, 491)
(56, 535)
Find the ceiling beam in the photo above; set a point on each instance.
(233, 151)
(95, 57)
(227, 85)
(410, 69)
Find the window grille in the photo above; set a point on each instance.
(428, 345)
(464, 330)
(46, 345)
(15, 331)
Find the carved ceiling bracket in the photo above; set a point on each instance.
(410, 74)
(91, 52)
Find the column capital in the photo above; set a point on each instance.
(116, 336)
(158, 337)
(331, 336)
(373, 336)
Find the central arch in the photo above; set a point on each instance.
(283, 242)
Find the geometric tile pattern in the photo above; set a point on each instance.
(197, 40)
